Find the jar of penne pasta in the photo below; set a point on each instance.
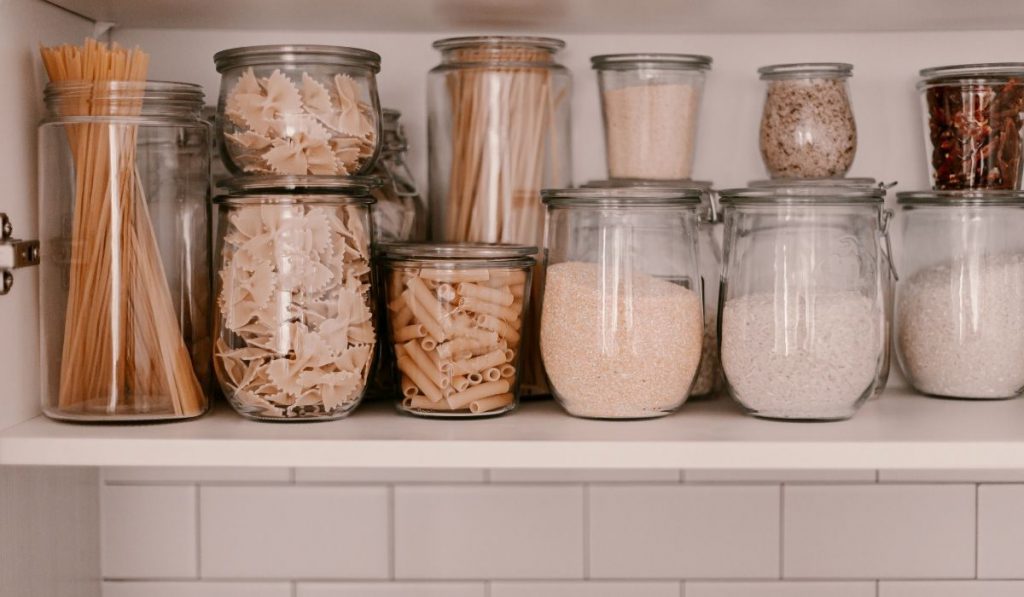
(455, 319)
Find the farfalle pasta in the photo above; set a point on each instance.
(456, 325)
(315, 113)
(297, 337)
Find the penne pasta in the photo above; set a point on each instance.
(425, 363)
(460, 383)
(445, 292)
(410, 332)
(403, 318)
(492, 374)
(498, 296)
(476, 364)
(408, 366)
(421, 315)
(491, 403)
(428, 344)
(455, 276)
(491, 388)
(422, 403)
(477, 305)
(507, 371)
(409, 387)
(475, 378)
(517, 290)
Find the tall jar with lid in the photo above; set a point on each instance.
(499, 132)
(400, 213)
(295, 336)
(807, 126)
(455, 315)
(622, 324)
(298, 110)
(124, 251)
(651, 104)
(960, 298)
(802, 319)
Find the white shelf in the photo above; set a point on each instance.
(565, 16)
(900, 431)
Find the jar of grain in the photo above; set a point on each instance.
(295, 334)
(807, 126)
(455, 319)
(960, 298)
(400, 213)
(651, 103)
(803, 299)
(622, 323)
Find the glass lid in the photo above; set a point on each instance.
(803, 70)
(652, 60)
(296, 54)
(456, 251)
(347, 185)
(803, 195)
(960, 198)
(616, 197)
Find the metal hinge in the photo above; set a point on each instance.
(14, 253)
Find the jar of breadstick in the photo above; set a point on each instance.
(455, 318)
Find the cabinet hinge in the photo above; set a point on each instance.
(14, 253)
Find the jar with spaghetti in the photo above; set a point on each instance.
(124, 262)
(298, 110)
(455, 320)
(295, 337)
(400, 213)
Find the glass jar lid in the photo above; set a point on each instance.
(124, 98)
(550, 44)
(981, 70)
(296, 54)
(261, 188)
(647, 183)
(459, 254)
(653, 60)
(805, 70)
(960, 198)
(804, 195)
(854, 183)
(622, 197)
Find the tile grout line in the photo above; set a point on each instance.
(782, 530)
(586, 531)
(392, 540)
(199, 529)
(977, 530)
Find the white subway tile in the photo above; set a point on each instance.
(778, 476)
(195, 474)
(294, 532)
(148, 532)
(780, 589)
(196, 589)
(684, 532)
(585, 589)
(389, 475)
(488, 532)
(392, 589)
(1001, 531)
(951, 476)
(879, 531)
(521, 475)
(950, 588)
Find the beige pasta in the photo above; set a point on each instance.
(423, 403)
(476, 364)
(477, 305)
(420, 314)
(498, 296)
(427, 365)
(492, 374)
(484, 390)
(408, 367)
(491, 403)
(409, 387)
(507, 371)
(475, 378)
(455, 276)
(403, 317)
(445, 292)
(410, 332)
(517, 290)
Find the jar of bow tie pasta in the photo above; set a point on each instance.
(295, 336)
(455, 319)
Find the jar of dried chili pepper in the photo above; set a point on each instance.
(974, 117)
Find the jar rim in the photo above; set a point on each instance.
(552, 44)
(647, 183)
(74, 98)
(961, 198)
(307, 184)
(800, 70)
(622, 197)
(296, 54)
(978, 70)
(804, 195)
(651, 60)
(852, 182)
(464, 252)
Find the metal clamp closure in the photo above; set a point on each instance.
(14, 253)
(885, 217)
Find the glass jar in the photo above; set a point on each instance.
(960, 298)
(807, 127)
(622, 324)
(298, 110)
(499, 132)
(124, 177)
(802, 316)
(295, 328)
(709, 241)
(455, 315)
(400, 213)
(650, 104)
(974, 125)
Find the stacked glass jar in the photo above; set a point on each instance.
(298, 126)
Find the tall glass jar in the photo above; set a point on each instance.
(124, 177)
(499, 132)
(960, 298)
(650, 104)
(295, 337)
(807, 127)
(400, 213)
(802, 317)
(455, 314)
(298, 110)
(622, 324)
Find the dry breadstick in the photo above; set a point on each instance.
(491, 403)
(498, 296)
(491, 388)
(452, 276)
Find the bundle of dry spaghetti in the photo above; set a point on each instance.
(506, 146)
(123, 352)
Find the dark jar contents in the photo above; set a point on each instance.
(974, 118)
